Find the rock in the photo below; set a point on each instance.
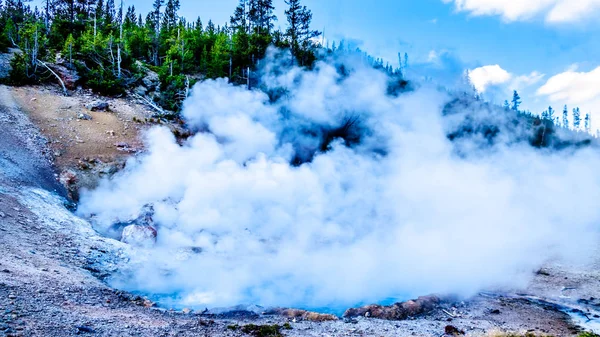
(302, 314)
(5, 60)
(186, 311)
(148, 304)
(122, 145)
(453, 331)
(85, 329)
(12, 297)
(2, 215)
(69, 76)
(109, 169)
(151, 81)
(140, 90)
(69, 180)
(84, 116)
(141, 236)
(398, 311)
(84, 166)
(97, 106)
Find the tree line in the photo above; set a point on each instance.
(574, 123)
(108, 45)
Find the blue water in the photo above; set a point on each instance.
(173, 301)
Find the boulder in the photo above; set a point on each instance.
(141, 236)
(140, 90)
(69, 76)
(397, 311)
(5, 60)
(146, 216)
(151, 81)
(98, 105)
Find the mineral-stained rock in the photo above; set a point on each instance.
(397, 311)
(302, 315)
(69, 180)
(67, 74)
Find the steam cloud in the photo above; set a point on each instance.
(399, 214)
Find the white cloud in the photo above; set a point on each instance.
(554, 11)
(486, 76)
(524, 81)
(432, 56)
(572, 87)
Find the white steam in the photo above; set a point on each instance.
(354, 225)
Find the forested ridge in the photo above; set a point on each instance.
(110, 46)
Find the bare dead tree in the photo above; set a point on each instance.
(55, 75)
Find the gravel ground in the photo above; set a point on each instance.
(52, 265)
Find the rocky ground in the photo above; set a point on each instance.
(52, 263)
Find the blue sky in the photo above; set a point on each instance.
(520, 44)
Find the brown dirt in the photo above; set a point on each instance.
(72, 139)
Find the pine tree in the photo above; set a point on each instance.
(110, 13)
(576, 118)
(588, 122)
(99, 11)
(154, 21)
(170, 19)
(262, 17)
(299, 33)
(565, 118)
(210, 28)
(516, 101)
(239, 19)
(550, 113)
(506, 105)
(48, 6)
(130, 18)
(120, 15)
(198, 26)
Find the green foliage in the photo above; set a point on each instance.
(173, 90)
(105, 82)
(20, 72)
(104, 41)
(67, 50)
(262, 330)
(588, 334)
